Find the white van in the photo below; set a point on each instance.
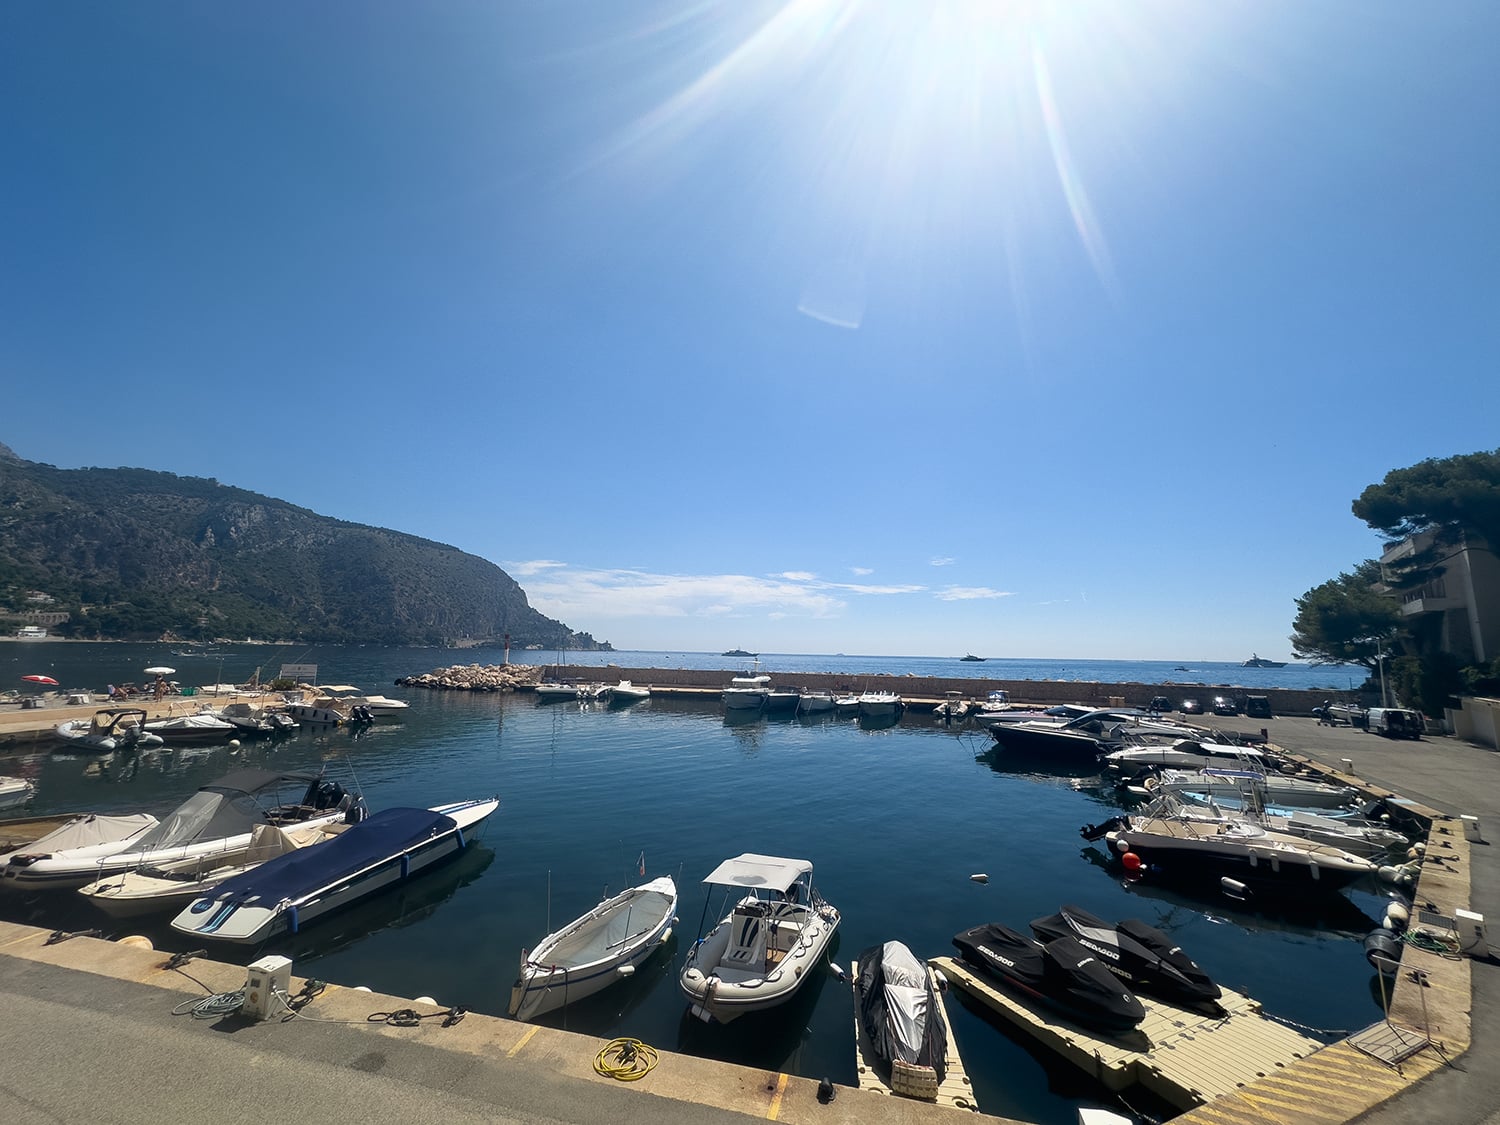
(1396, 722)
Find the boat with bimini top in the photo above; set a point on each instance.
(765, 948)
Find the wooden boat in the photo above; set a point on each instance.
(286, 893)
(764, 949)
(594, 951)
(900, 1015)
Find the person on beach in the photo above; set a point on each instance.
(161, 687)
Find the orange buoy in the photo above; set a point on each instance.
(1131, 861)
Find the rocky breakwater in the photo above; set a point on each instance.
(476, 677)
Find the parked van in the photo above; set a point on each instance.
(1396, 722)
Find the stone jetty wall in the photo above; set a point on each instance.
(1045, 692)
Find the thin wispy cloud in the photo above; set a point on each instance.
(535, 566)
(970, 593)
(860, 571)
(942, 562)
(590, 594)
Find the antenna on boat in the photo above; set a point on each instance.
(549, 900)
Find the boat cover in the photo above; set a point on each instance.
(1061, 972)
(762, 872)
(380, 836)
(85, 832)
(213, 813)
(1139, 954)
(899, 1012)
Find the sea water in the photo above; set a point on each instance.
(896, 820)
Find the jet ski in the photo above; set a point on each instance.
(1060, 972)
(1142, 956)
(903, 1019)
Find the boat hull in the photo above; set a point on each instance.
(717, 994)
(228, 917)
(579, 960)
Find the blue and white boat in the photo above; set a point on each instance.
(286, 893)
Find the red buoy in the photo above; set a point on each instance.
(1131, 861)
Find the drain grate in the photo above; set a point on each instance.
(1389, 1043)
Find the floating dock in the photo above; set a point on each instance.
(955, 1090)
(1186, 1058)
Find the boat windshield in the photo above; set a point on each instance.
(208, 814)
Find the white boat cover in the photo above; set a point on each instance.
(759, 872)
(84, 832)
(905, 997)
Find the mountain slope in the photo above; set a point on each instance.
(134, 553)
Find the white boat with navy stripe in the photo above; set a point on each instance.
(286, 893)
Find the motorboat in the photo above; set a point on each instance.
(54, 835)
(249, 719)
(879, 704)
(1280, 788)
(846, 703)
(1261, 662)
(322, 711)
(970, 658)
(286, 893)
(780, 700)
(1186, 754)
(1355, 835)
(627, 692)
(379, 706)
(901, 1016)
(812, 702)
(594, 951)
(766, 947)
(217, 818)
(111, 729)
(1142, 956)
(954, 708)
(202, 726)
(552, 691)
(162, 887)
(1060, 973)
(1260, 860)
(15, 792)
(747, 693)
(997, 708)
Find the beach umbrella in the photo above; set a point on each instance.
(40, 680)
(159, 670)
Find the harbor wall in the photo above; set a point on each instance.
(1043, 692)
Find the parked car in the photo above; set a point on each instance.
(1225, 705)
(1258, 706)
(1159, 704)
(1394, 722)
(1190, 707)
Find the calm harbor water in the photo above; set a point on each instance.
(896, 820)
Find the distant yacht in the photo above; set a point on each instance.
(971, 656)
(739, 652)
(1261, 662)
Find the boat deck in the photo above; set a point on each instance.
(1186, 1058)
(956, 1089)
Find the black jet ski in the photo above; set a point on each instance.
(901, 1014)
(1060, 972)
(1140, 955)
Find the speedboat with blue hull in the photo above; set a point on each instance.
(1139, 954)
(1060, 973)
(288, 892)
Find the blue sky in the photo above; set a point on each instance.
(1021, 329)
